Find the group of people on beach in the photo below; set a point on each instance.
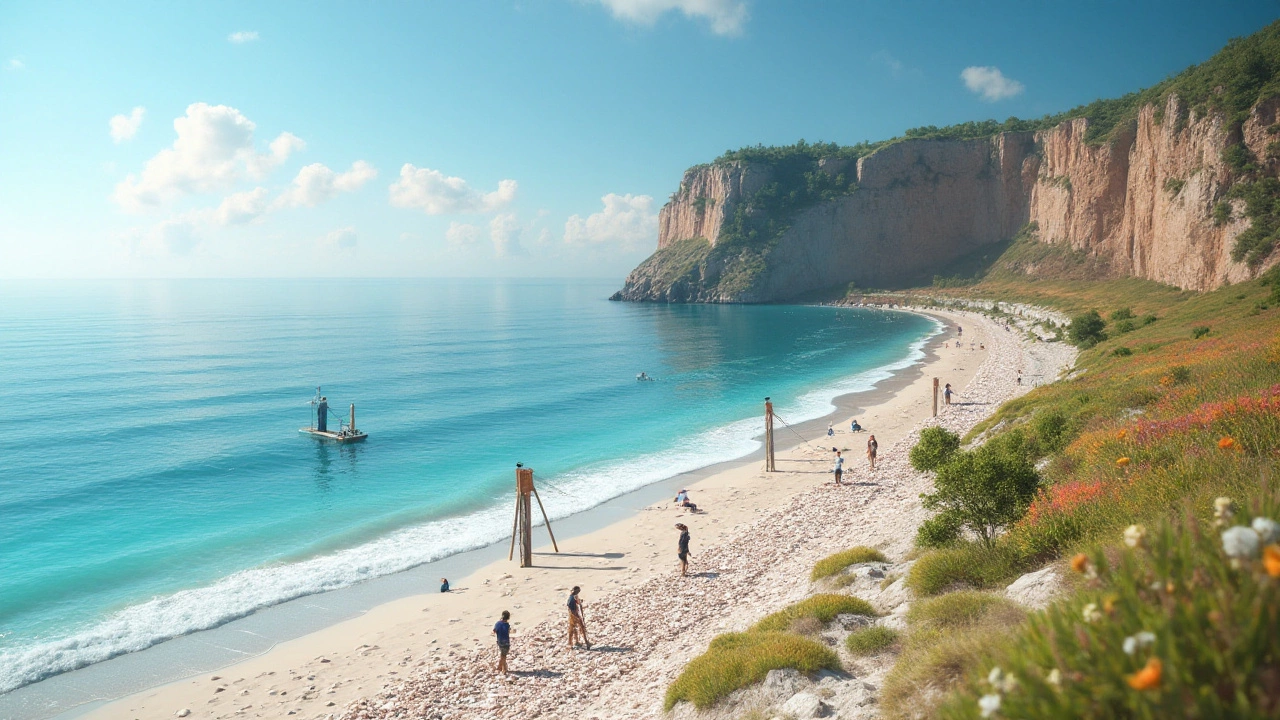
(873, 448)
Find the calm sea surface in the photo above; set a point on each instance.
(154, 481)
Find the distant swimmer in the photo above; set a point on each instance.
(643, 377)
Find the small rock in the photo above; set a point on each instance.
(849, 621)
(804, 705)
(183, 712)
(1035, 590)
(784, 682)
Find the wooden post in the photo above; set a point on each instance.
(522, 526)
(353, 418)
(935, 397)
(769, 465)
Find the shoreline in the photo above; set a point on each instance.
(271, 630)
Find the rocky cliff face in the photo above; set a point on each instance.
(1143, 202)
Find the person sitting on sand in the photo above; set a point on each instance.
(682, 499)
(502, 630)
(683, 548)
(854, 426)
(576, 623)
(831, 431)
(839, 469)
(872, 447)
(444, 584)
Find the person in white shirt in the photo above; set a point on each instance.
(839, 469)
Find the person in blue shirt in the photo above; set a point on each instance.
(502, 630)
(576, 623)
(839, 469)
(444, 584)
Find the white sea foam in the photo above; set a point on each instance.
(143, 625)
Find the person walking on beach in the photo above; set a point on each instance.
(872, 447)
(839, 469)
(576, 623)
(502, 630)
(683, 548)
(946, 394)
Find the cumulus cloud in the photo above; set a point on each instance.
(242, 37)
(462, 235)
(626, 220)
(213, 151)
(727, 17)
(316, 183)
(341, 239)
(15, 64)
(437, 194)
(990, 83)
(240, 208)
(505, 232)
(124, 127)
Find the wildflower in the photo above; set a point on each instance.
(1240, 542)
(1268, 530)
(1226, 443)
(1120, 435)
(1109, 604)
(1134, 535)
(1271, 560)
(989, 704)
(1091, 613)
(1148, 678)
(1223, 511)
(1136, 642)
(1054, 678)
(1080, 562)
(1121, 462)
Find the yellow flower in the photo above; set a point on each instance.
(1122, 462)
(1271, 560)
(1226, 443)
(1080, 562)
(1148, 678)
(1120, 435)
(1109, 604)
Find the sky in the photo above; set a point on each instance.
(490, 138)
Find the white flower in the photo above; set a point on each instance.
(989, 704)
(1091, 613)
(1268, 530)
(1240, 542)
(1135, 642)
(1133, 535)
(1223, 506)
(1054, 678)
(995, 676)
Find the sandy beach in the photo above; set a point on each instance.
(341, 667)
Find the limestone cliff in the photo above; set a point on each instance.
(1143, 202)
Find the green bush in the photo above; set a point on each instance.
(1199, 331)
(737, 660)
(833, 564)
(1221, 213)
(823, 607)
(1148, 319)
(963, 608)
(1122, 351)
(967, 564)
(985, 489)
(1180, 374)
(937, 446)
(1121, 314)
(871, 640)
(1124, 326)
(1086, 329)
(1052, 430)
(942, 530)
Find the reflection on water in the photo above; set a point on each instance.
(334, 460)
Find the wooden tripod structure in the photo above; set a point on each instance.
(522, 525)
(769, 465)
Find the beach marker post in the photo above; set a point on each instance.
(769, 465)
(935, 397)
(522, 525)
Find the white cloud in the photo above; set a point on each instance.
(174, 237)
(15, 64)
(341, 239)
(213, 151)
(627, 220)
(462, 235)
(437, 194)
(242, 37)
(990, 83)
(727, 17)
(316, 183)
(124, 127)
(240, 208)
(505, 232)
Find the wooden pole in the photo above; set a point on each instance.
(769, 465)
(522, 525)
(546, 519)
(515, 524)
(935, 397)
(526, 532)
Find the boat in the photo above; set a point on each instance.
(319, 428)
(644, 377)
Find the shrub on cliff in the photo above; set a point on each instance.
(936, 446)
(986, 489)
(1087, 329)
(736, 660)
(833, 564)
(823, 607)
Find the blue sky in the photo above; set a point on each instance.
(489, 138)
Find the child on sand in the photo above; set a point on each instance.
(946, 394)
(502, 630)
(872, 447)
(839, 469)
(683, 548)
(576, 623)
(444, 584)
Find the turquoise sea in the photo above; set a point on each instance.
(154, 481)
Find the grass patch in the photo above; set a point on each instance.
(962, 609)
(831, 565)
(736, 660)
(966, 565)
(871, 640)
(823, 607)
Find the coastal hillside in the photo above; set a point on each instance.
(1176, 184)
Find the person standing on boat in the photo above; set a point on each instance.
(322, 415)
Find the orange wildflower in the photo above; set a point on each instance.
(1148, 678)
(1271, 560)
(1226, 443)
(1122, 462)
(1080, 562)
(1120, 435)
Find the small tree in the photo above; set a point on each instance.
(1087, 330)
(984, 489)
(937, 446)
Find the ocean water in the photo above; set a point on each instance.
(154, 481)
